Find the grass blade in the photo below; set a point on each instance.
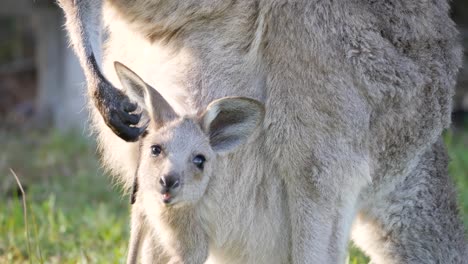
(25, 213)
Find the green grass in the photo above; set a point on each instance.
(457, 145)
(75, 215)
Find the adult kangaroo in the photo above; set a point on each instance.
(356, 94)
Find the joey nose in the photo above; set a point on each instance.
(169, 182)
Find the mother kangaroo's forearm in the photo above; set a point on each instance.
(84, 26)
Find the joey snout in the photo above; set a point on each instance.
(170, 186)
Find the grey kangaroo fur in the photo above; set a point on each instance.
(357, 94)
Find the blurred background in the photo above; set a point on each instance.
(74, 213)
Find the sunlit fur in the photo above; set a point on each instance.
(356, 93)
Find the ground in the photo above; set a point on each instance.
(75, 214)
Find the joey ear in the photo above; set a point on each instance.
(230, 121)
(133, 85)
(144, 95)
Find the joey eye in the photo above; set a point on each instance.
(155, 150)
(199, 161)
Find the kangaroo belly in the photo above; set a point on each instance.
(247, 220)
(264, 239)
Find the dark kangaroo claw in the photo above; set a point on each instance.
(116, 109)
